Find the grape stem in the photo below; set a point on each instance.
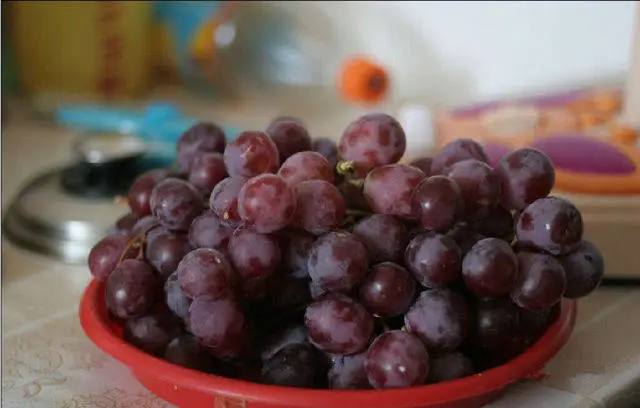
(357, 213)
(345, 167)
(135, 242)
(357, 182)
(121, 200)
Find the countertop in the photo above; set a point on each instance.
(47, 362)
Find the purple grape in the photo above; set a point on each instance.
(199, 138)
(479, 187)
(164, 251)
(185, 351)
(295, 245)
(499, 223)
(457, 151)
(490, 268)
(388, 189)
(375, 139)
(296, 365)
(465, 237)
(387, 290)
(525, 175)
(550, 224)
(338, 261)
(436, 203)
(152, 333)
(124, 224)
(224, 199)
(205, 272)
(384, 236)
(396, 360)
(433, 259)
(584, 269)
(176, 300)
(253, 255)
(289, 135)
(145, 224)
(250, 154)
(175, 203)
(132, 289)
(328, 149)
(440, 318)
(320, 207)
(304, 166)
(219, 325)
(296, 334)
(104, 256)
(206, 171)
(267, 203)
(449, 366)
(208, 231)
(139, 196)
(496, 323)
(338, 325)
(424, 164)
(541, 281)
(347, 372)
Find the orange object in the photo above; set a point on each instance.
(362, 80)
(623, 134)
(189, 388)
(607, 102)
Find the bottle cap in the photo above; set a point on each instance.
(361, 80)
(417, 122)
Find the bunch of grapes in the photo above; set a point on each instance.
(282, 260)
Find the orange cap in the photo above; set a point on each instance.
(363, 81)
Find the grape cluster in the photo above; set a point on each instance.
(282, 260)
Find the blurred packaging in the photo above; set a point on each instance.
(82, 50)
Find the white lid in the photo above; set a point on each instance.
(417, 122)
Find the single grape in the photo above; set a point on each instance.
(550, 224)
(584, 269)
(436, 203)
(219, 325)
(185, 351)
(353, 196)
(456, 151)
(295, 245)
(465, 237)
(144, 224)
(424, 164)
(338, 325)
(541, 281)
(295, 334)
(328, 149)
(449, 366)
(207, 170)
(338, 261)
(304, 166)
(525, 175)
(152, 333)
(396, 359)
(253, 255)
(139, 195)
(224, 199)
(176, 300)
(165, 251)
(250, 154)
(496, 322)
(374, 139)
(103, 257)
(296, 365)
(208, 231)
(388, 189)
(490, 268)
(175, 203)
(199, 138)
(433, 259)
(267, 203)
(205, 272)
(132, 289)
(347, 372)
(499, 223)
(387, 290)
(320, 206)
(289, 135)
(384, 236)
(479, 187)
(124, 224)
(440, 318)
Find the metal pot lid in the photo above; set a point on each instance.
(47, 219)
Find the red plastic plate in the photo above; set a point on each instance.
(189, 388)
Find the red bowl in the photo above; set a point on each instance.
(189, 388)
